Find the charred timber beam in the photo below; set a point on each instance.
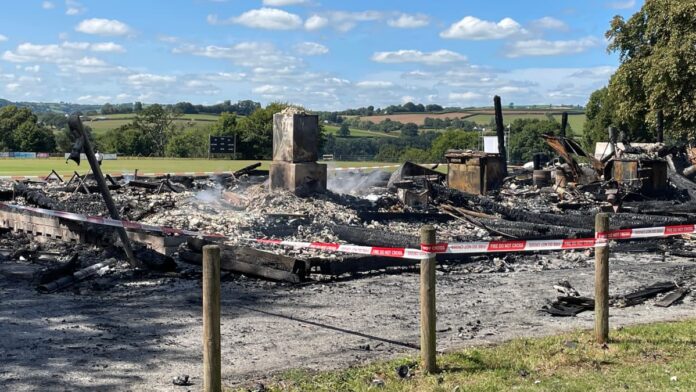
(564, 123)
(247, 170)
(660, 126)
(85, 188)
(35, 197)
(500, 130)
(76, 128)
(226, 264)
(357, 264)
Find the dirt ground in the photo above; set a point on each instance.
(135, 333)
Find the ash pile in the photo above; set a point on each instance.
(475, 196)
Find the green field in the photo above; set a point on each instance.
(42, 167)
(653, 357)
(332, 129)
(114, 121)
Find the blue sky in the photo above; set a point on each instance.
(325, 55)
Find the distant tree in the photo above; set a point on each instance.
(157, 124)
(433, 108)
(409, 130)
(344, 131)
(185, 108)
(256, 131)
(226, 125)
(511, 105)
(658, 67)
(20, 131)
(138, 107)
(526, 138)
(191, 143)
(453, 140)
(417, 155)
(600, 114)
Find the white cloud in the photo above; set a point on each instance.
(472, 28)
(374, 84)
(406, 21)
(269, 89)
(441, 56)
(33, 68)
(283, 3)
(549, 23)
(622, 5)
(28, 52)
(467, 96)
(100, 26)
(540, 47)
(315, 22)
(147, 79)
(311, 48)
(245, 54)
(74, 8)
(47, 5)
(344, 21)
(3, 38)
(107, 47)
(263, 18)
(98, 99)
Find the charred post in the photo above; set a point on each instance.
(76, 127)
(660, 127)
(500, 131)
(564, 123)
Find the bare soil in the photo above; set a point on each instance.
(125, 332)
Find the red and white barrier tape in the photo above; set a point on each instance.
(404, 253)
(98, 220)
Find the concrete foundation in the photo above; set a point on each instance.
(300, 178)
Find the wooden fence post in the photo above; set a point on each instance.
(427, 303)
(602, 282)
(212, 374)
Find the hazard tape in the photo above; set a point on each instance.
(98, 220)
(600, 240)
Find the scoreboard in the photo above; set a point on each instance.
(222, 145)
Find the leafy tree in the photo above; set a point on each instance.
(256, 131)
(190, 143)
(526, 138)
(344, 131)
(599, 113)
(389, 153)
(226, 125)
(138, 107)
(20, 131)
(126, 140)
(409, 130)
(433, 108)
(658, 67)
(157, 124)
(453, 140)
(417, 155)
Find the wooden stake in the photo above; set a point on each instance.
(212, 378)
(602, 282)
(427, 303)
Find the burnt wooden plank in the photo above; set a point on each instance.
(672, 297)
(228, 264)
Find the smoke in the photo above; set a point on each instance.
(356, 183)
(209, 196)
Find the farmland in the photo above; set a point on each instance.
(483, 117)
(332, 129)
(103, 124)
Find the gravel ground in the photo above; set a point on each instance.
(122, 332)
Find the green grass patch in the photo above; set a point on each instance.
(332, 129)
(576, 122)
(485, 119)
(41, 167)
(653, 357)
(103, 126)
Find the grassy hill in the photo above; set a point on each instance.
(332, 129)
(104, 123)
